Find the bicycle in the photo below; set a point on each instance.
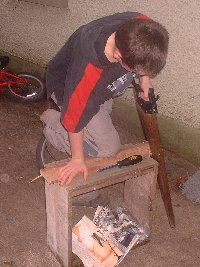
(21, 87)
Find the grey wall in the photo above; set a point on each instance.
(36, 32)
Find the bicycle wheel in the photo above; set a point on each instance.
(32, 91)
(46, 153)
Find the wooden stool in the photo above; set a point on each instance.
(139, 193)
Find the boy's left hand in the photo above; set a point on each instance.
(72, 169)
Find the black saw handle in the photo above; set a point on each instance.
(149, 106)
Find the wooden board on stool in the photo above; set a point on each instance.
(51, 171)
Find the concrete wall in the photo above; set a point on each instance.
(35, 32)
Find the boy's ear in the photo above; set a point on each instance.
(117, 54)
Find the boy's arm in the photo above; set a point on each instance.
(145, 84)
(76, 164)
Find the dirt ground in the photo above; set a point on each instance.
(22, 205)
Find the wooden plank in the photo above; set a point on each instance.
(51, 171)
(109, 177)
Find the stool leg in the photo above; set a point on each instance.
(59, 222)
(139, 195)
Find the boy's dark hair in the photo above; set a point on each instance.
(143, 45)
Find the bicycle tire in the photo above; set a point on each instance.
(41, 146)
(31, 92)
(46, 153)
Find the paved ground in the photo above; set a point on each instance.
(22, 205)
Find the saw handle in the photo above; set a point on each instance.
(149, 106)
(134, 159)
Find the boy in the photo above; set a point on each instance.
(98, 62)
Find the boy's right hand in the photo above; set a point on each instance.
(73, 167)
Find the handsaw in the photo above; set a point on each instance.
(147, 113)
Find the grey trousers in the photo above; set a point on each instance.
(100, 136)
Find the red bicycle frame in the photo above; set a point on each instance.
(10, 79)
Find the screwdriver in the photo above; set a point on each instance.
(134, 159)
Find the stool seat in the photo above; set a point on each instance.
(139, 192)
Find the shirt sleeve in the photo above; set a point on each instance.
(81, 102)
